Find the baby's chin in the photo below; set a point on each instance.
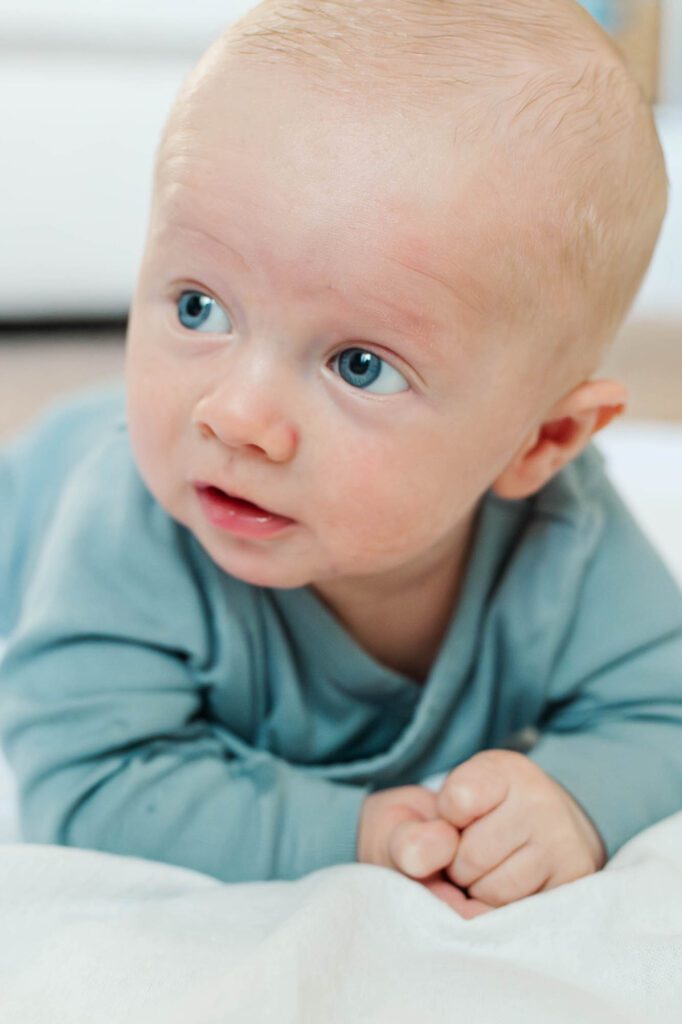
(260, 563)
(252, 563)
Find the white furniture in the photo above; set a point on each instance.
(86, 89)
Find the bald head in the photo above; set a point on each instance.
(535, 89)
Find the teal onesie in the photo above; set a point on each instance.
(154, 706)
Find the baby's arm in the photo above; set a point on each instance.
(104, 696)
(608, 762)
(611, 730)
(121, 760)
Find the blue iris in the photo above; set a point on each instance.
(362, 367)
(195, 309)
(357, 366)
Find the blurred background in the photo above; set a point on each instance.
(86, 88)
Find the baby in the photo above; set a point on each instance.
(344, 527)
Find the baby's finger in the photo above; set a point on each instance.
(419, 848)
(486, 843)
(522, 874)
(472, 789)
(455, 898)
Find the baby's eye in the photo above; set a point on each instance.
(194, 312)
(364, 368)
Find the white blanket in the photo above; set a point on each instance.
(89, 937)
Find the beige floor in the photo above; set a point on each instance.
(35, 368)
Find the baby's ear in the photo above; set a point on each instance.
(562, 437)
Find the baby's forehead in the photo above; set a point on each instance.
(489, 179)
(531, 93)
(447, 240)
(532, 126)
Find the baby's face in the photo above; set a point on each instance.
(322, 326)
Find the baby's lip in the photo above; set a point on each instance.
(202, 485)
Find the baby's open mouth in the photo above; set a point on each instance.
(238, 515)
(241, 502)
(233, 504)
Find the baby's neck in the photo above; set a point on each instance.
(403, 626)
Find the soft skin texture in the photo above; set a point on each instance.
(500, 829)
(522, 831)
(532, 92)
(314, 234)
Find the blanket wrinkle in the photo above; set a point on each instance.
(131, 941)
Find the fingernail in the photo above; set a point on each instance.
(464, 797)
(412, 860)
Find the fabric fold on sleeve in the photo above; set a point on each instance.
(611, 728)
(626, 775)
(103, 715)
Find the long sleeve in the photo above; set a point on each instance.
(33, 465)
(103, 705)
(611, 733)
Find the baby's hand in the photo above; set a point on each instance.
(400, 828)
(521, 832)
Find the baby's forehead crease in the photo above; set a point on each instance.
(469, 291)
(426, 323)
(471, 297)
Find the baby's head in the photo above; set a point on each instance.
(388, 247)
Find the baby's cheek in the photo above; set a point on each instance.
(150, 433)
(374, 507)
(150, 401)
(140, 423)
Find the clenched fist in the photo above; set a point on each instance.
(400, 828)
(521, 831)
(499, 829)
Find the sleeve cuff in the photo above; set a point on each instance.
(622, 788)
(322, 829)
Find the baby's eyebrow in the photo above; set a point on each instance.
(173, 227)
(466, 298)
(421, 323)
(419, 326)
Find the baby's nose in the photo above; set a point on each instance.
(242, 424)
